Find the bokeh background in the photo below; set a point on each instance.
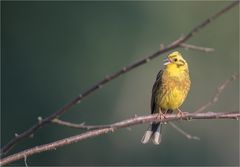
(53, 51)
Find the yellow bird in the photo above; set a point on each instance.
(168, 93)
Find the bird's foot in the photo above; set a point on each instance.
(161, 116)
(181, 114)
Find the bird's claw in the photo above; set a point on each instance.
(181, 114)
(161, 116)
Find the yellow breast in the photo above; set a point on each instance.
(173, 91)
(172, 99)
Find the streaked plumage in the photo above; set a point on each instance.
(168, 93)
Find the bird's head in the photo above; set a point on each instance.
(175, 61)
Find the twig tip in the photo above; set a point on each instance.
(39, 118)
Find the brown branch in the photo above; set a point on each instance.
(115, 126)
(94, 127)
(219, 91)
(109, 78)
(215, 98)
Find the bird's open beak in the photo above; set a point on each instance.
(166, 61)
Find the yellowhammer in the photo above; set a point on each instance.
(168, 93)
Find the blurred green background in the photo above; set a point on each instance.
(53, 51)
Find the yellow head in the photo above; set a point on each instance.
(175, 62)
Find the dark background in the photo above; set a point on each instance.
(53, 51)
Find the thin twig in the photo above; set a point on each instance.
(123, 124)
(218, 93)
(79, 126)
(25, 161)
(200, 48)
(109, 78)
(187, 135)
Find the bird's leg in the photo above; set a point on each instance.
(161, 115)
(180, 113)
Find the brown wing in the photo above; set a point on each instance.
(155, 89)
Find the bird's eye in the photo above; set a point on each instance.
(175, 59)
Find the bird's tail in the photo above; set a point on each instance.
(153, 133)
